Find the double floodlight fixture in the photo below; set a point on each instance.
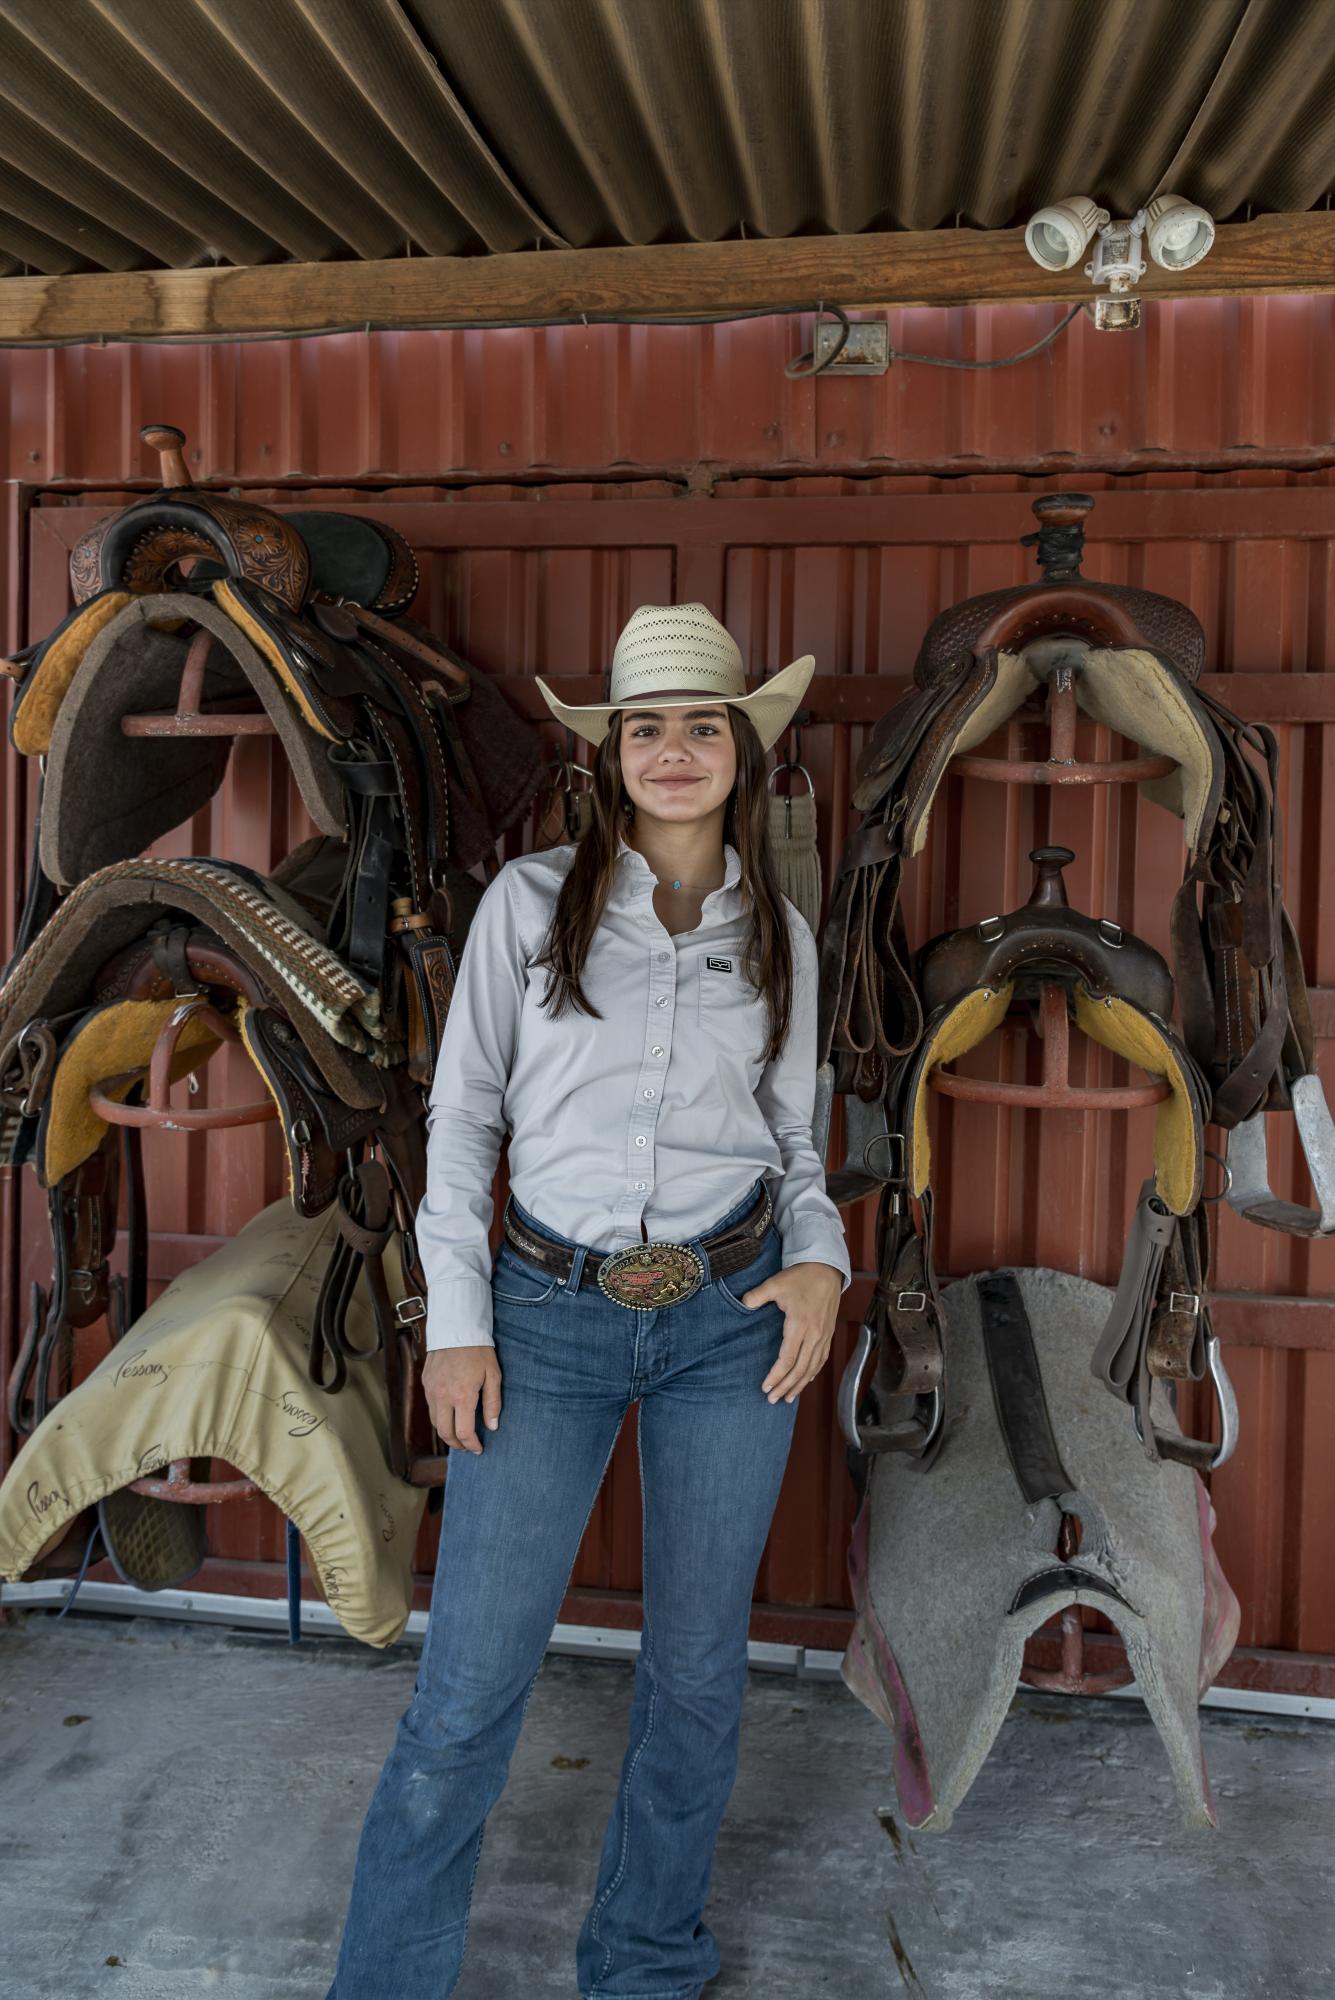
(1175, 231)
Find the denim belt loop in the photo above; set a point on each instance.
(576, 1271)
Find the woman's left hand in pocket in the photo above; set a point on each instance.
(809, 1296)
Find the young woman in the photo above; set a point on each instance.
(639, 1015)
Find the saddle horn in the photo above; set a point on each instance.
(169, 443)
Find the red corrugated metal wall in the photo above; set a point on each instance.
(552, 480)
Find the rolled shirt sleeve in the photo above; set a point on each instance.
(808, 1222)
(466, 1124)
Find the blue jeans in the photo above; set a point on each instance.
(712, 1456)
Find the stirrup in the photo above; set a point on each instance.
(1228, 1410)
(1250, 1193)
(915, 1436)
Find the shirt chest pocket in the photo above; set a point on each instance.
(731, 1012)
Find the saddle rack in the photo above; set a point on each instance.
(1055, 1092)
(189, 719)
(169, 443)
(178, 1484)
(158, 1113)
(1072, 1673)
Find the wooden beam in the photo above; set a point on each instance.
(1272, 253)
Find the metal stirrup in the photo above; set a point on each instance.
(1226, 1398)
(915, 1436)
(1250, 1192)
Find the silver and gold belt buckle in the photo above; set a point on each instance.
(649, 1275)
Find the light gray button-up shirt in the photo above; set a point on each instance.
(661, 1111)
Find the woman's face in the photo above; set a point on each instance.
(678, 764)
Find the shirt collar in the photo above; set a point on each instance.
(641, 875)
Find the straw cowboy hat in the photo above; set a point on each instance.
(668, 656)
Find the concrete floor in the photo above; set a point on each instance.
(179, 1807)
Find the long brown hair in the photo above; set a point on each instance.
(767, 953)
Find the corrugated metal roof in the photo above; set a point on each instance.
(137, 135)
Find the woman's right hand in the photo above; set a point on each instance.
(452, 1379)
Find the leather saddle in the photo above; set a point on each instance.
(333, 973)
(403, 753)
(1133, 659)
(1160, 1325)
(1045, 940)
(889, 1015)
(184, 975)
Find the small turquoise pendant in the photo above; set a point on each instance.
(676, 885)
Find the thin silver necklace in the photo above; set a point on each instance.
(677, 882)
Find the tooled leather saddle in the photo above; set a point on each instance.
(333, 973)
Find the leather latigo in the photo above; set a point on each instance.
(332, 974)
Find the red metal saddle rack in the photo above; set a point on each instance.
(158, 1114)
(188, 719)
(1055, 1092)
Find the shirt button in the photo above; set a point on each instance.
(642, 1141)
(661, 1001)
(661, 956)
(648, 1093)
(639, 1187)
(655, 1052)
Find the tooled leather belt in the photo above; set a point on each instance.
(647, 1276)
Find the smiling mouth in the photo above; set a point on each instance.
(674, 781)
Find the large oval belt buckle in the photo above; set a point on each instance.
(648, 1275)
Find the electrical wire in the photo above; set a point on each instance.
(1003, 361)
(792, 369)
(785, 311)
(805, 364)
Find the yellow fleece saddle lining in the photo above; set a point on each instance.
(35, 717)
(1116, 1025)
(239, 612)
(118, 1039)
(967, 1024)
(1177, 1137)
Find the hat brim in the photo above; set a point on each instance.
(769, 707)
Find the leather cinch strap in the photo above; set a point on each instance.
(1017, 1390)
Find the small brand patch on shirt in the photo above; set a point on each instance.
(719, 964)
